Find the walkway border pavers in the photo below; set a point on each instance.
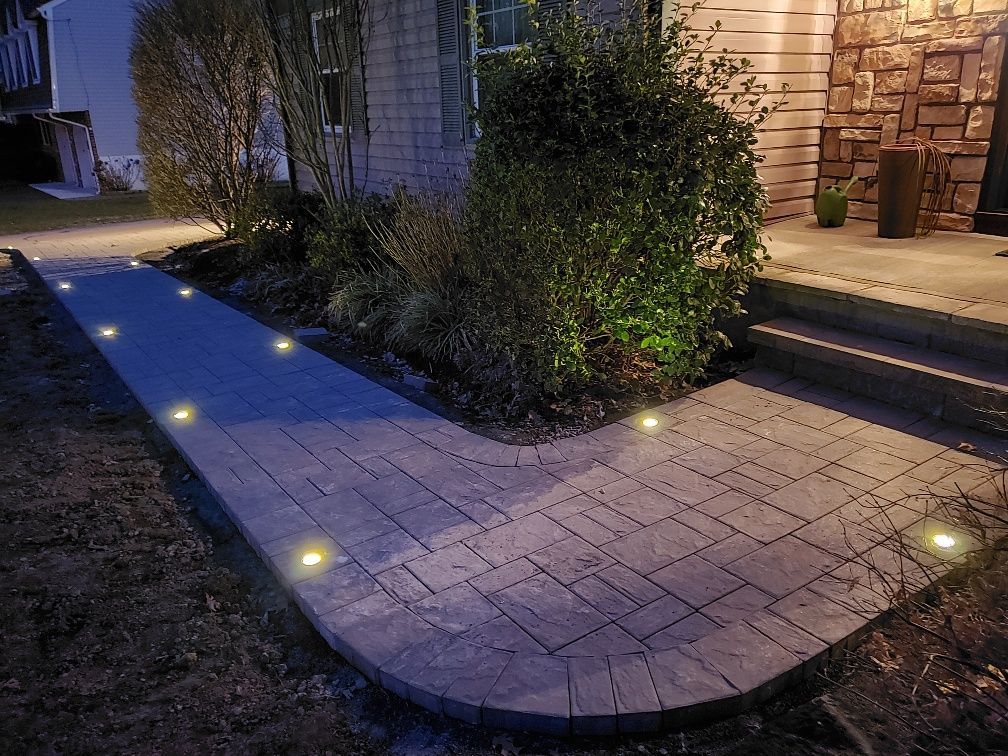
(636, 577)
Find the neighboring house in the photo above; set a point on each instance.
(859, 76)
(64, 63)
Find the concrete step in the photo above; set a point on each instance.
(955, 388)
(975, 330)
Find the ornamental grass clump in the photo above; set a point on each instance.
(613, 210)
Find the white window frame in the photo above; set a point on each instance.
(323, 105)
(475, 50)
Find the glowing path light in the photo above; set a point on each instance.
(185, 292)
(943, 541)
(181, 414)
(282, 345)
(650, 422)
(311, 558)
(108, 332)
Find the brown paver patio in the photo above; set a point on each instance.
(622, 580)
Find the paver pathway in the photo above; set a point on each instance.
(627, 579)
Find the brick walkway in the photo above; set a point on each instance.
(627, 579)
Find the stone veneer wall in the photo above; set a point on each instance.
(903, 68)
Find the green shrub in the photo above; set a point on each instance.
(613, 209)
(342, 237)
(276, 225)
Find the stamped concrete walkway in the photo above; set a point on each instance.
(631, 578)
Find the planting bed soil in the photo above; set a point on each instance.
(136, 620)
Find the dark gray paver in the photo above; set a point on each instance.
(695, 581)
(570, 560)
(516, 539)
(548, 611)
(656, 546)
(456, 609)
(593, 707)
(686, 630)
(747, 658)
(447, 567)
(610, 639)
(501, 632)
(637, 707)
(655, 616)
(531, 693)
(723, 529)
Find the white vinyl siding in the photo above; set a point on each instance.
(788, 42)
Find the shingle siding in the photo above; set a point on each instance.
(404, 105)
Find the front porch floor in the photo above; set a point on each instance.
(953, 274)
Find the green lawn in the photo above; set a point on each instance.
(23, 209)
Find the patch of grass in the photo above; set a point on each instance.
(23, 209)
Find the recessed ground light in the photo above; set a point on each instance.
(64, 285)
(135, 263)
(185, 292)
(108, 331)
(281, 345)
(943, 541)
(36, 259)
(650, 422)
(181, 414)
(311, 558)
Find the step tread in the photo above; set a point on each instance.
(942, 365)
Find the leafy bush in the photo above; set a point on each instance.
(207, 124)
(342, 237)
(613, 210)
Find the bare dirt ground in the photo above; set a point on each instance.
(136, 620)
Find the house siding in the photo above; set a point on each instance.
(404, 106)
(788, 42)
(91, 39)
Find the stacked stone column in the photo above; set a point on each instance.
(905, 68)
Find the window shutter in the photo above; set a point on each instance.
(449, 36)
(358, 114)
(549, 7)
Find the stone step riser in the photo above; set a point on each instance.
(924, 328)
(948, 399)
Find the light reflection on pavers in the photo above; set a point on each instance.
(623, 580)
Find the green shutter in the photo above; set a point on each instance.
(549, 7)
(449, 38)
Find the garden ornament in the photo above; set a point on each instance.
(831, 207)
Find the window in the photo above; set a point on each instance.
(324, 31)
(501, 24)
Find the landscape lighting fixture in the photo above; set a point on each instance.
(135, 263)
(109, 332)
(282, 345)
(311, 558)
(943, 541)
(36, 258)
(181, 414)
(650, 422)
(185, 292)
(64, 285)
